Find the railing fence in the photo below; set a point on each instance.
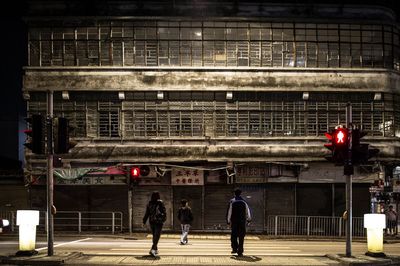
(279, 225)
(77, 221)
(286, 225)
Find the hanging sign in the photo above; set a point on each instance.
(187, 177)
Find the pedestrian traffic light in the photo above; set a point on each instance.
(361, 152)
(62, 142)
(341, 137)
(338, 145)
(137, 172)
(36, 134)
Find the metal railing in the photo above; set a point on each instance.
(279, 225)
(286, 225)
(78, 221)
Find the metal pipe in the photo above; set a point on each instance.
(113, 223)
(130, 211)
(50, 184)
(79, 222)
(349, 191)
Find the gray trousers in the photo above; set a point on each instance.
(185, 231)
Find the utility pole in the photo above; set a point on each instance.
(348, 172)
(130, 211)
(50, 184)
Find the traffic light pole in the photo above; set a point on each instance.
(348, 171)
(50, 184)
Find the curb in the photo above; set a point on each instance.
(364, 260)
(41, 259)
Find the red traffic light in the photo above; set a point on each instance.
(135, 172)
(338, 145)
(340, 136)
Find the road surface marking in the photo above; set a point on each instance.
(203, 255)
(62, 244)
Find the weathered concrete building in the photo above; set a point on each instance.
(211, 96)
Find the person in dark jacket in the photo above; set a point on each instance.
(238, 215)
(185, 216)
(157, 215)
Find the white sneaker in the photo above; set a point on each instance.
(153, 252)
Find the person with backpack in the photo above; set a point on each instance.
(157, 215)
(185, 216)
(238, 215)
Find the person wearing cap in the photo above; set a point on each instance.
(238, 215)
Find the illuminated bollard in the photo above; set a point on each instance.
(3, 223)
(375, 223)
(27, 220)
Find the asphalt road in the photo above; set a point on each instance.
(95, 245)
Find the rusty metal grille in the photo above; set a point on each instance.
(246, 119)
(215, 44)
(109, 119)
(219, 119)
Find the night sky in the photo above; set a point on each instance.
(13, 48)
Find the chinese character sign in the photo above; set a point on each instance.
(187, 177)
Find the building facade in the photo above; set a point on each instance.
(212, 97)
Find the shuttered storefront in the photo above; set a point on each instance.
(216, 201)
(306, 199)
(194, 195)
(280, 199)
(254, 196)
(141, 196)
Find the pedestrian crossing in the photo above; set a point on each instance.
(209, 247)
(204, 236)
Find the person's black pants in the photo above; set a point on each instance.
(156, 231)
(237, 237)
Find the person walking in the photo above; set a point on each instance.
(157, 215)
(391, 216)
(185, 216)
(238, 215)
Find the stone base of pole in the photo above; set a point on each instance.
(375, 254)
(26, 253)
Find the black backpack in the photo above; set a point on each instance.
(185, 215)
(157, 213)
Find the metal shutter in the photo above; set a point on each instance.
(216, 201)
(194, 195)
(140, 198)
(254, 196)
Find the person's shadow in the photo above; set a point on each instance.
(246, 258)
(147, 257)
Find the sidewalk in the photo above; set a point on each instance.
(80, 258)
(76, 258)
